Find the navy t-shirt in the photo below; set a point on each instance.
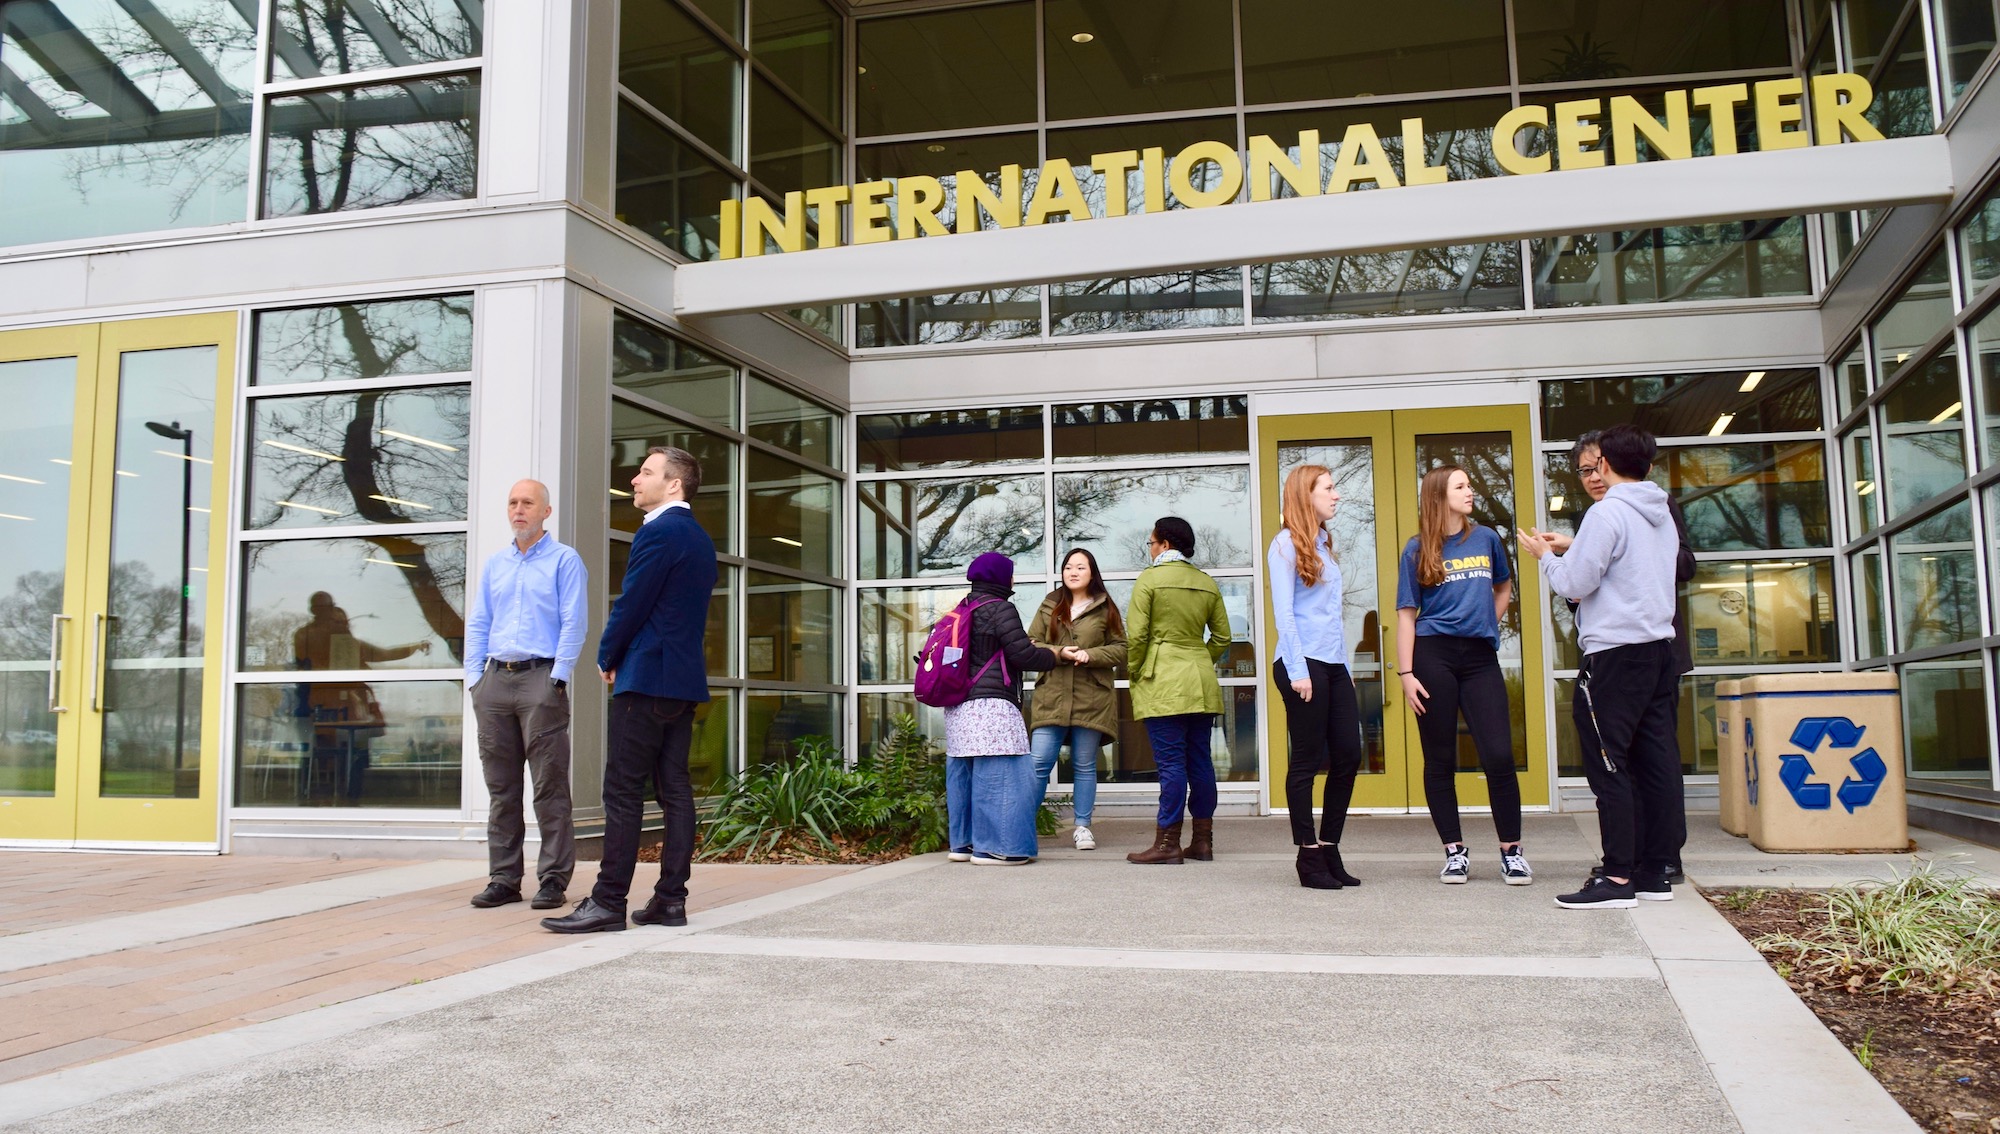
(1475, 561)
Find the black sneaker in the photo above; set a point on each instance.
(1600, 893)
(1514, 868)
(1676, 876)
(1457, 866)
(496, 894)
(1652, 890)
(549, 896)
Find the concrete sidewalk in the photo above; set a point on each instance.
(1077, 993)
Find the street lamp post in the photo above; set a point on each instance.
(174, 432)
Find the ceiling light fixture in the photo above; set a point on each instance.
(934, 148)
(12, 516)
(401, 436)
(621, 494)
(390, 563)
(58, 461)
(404, 503)
(1750, 381)
(1950, 411)
(1863, 487)
(21, 479)
(184, 457)
(123, 472)
(1556, 503)
(786, 542)
(307, 507)
(1721, 425)
(289, 447)
(1082, 37)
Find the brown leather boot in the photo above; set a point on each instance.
(1201, 848)
(1166, 848)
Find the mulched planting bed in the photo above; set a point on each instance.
(1938, 1054)
(801, 853)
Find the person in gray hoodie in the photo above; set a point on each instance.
(1620, 571)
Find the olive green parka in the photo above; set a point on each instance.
(1073, 694)
(1173, 669)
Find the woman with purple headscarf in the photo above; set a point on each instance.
(989, 775)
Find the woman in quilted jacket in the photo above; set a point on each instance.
(990, 797)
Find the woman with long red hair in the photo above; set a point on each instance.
(1322, 716)
(1452, 592)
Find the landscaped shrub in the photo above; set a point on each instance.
(812, 806)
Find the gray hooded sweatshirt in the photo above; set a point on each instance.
(1620, 569)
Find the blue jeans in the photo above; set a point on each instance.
(1047, 742)
(990, 804)
(1187, 775)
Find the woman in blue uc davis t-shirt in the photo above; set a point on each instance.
(1453, 587)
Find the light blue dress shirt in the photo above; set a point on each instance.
(529, 605)
(1311, 621)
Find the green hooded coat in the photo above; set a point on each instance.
(1173, 669)
(1079, 694)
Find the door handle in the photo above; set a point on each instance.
(96, 656)
(55, 662)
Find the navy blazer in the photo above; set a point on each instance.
(653, 637)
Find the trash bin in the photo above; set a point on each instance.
(1731, 780)
(1824, 762)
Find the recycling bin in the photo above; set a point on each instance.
(1823, 762)
(1732, 781)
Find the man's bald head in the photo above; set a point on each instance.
(527, 510)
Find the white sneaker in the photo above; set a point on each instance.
(958, 855)
(1457, 866)
(1084, 839)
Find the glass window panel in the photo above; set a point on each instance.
(1750, 497)
(1762, 612)
(794, 515)
(666, 189)
(1537, 141)
(1850, 380)
(1306, 50)
(1866, 26)
(727, 14)
(394, 744)
(635, 430)
(1160, 427)
(334, 37)
(349, 341)
(686, 74)
(1731, 260)
(1352, 535)
(1923, 421)
(950, 438)
(1685, 405)
(789, 421)
(878, 713)
(379, 457)
(1991, 503)
(103, 132)
(1695, 726)
(1112, 513)
(1965, 38)
(36, 438)
(1902, 106)
(719, 635)
(775, 722)
(921, 528)
(1561, 41)
(1944, 717)
(1870, 628)
(1488, 459)
(1167, 301)
(788, 151)
(1106, 59)
(946, 70)
(1864, 503)
(1937, 584)
(1233, 742)
(1918, 315)
(1979, 243)
(653, 364)
(711, 754)
(895, 621)
(1985, 343)
(365, 147)
(800, 41)
(792, 631)
(388, 602)
(1239, 599)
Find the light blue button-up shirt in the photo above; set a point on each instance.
(529, 604)
(1311, 620)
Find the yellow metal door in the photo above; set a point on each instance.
(132, 612)
(1377, 460)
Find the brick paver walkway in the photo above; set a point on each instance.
(75, 1012)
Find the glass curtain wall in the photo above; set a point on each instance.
(1744, 452)
(1920, 453)
(936, 488)
(1022, 81)
(770, 498)
(118, 118)
(350, 657)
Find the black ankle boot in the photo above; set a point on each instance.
(1331, 856)
(1312, 871)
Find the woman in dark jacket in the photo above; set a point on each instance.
(989, 776)
(1077, 703)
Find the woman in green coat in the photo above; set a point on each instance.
(1174, 686)
(1077, 703)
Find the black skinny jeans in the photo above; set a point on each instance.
(1326, 737)
(1463, 675)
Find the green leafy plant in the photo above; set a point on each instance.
(905, 801)
(812, 805)
(1865, 1051)
(1048, 818)
(1929, 929)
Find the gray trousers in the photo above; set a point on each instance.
(524, 721)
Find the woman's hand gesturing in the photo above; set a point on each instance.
(1415, 693)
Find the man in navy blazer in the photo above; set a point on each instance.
(651, 655)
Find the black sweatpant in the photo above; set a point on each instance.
(1626, 695)
(1326, 737)
(1463, 675)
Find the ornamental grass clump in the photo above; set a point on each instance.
(1929, 931)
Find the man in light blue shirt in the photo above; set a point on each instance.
(521, 645)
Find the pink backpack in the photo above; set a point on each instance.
(944, 666)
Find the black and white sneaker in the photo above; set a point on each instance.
(1676, 875)
(1599, 893)
(1514, 868)
(1457, 866)
(1652, 890)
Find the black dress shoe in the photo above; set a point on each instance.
(549, 896)
(496, 894)
(660, 911)
(587, 917)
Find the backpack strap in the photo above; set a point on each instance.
(998, 655)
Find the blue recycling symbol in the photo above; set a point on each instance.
(1794, 769)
